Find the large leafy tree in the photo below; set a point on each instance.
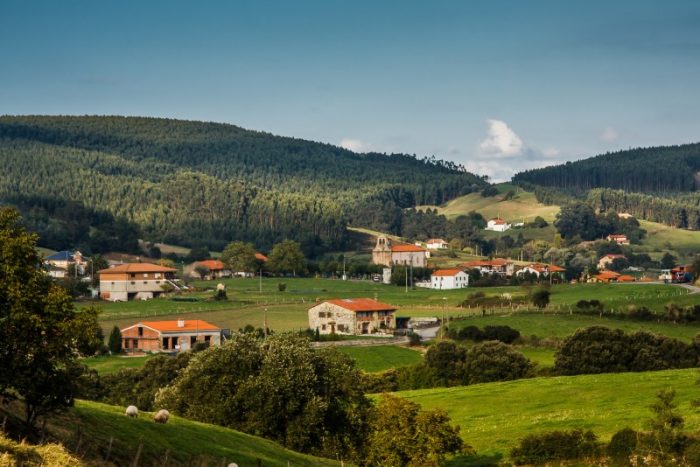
(240, 257)
(41, 333)
(287, 257)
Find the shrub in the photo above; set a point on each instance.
(414, 339)
(692, 453)
(623, 444)
(447, 359)
(555, 446)
(504, 334)
(281, 286)
(495, 361)
(115, 340)
(541, 298)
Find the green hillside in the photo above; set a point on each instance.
(91, 426)
(494, 416)
(196, 183)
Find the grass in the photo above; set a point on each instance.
(90, 426)
(543, 357)
(382, 357)
(110, 364)
(494, 416)
(684, 244)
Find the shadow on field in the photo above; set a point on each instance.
(475, 460)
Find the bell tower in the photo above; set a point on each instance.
(381, 254)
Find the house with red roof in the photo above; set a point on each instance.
(540, 269)
(169, 336)
(436, 244)
(217, 269)
(135, 281)
(352, 316)
(389, 254)
(605, 277)
(608, 259)
(497, 225)
(618, 238)
(448, 279)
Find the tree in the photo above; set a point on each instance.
(447, 359)
(495, 361)
(287, 257)
(540, 298)
(202, 270)
(619, 264)
(115, 340)
(668, 261)
(666, 425)
(404, 435)
(240, 257)
(41, 333)
(577, 219)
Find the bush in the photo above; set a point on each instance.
(623, 444)
(281, 286)
(414, 339)
(692, 453)
(447, 359)
(555, 446)
(541, 298)
(504, 334)
(495, 361)
(115, 340)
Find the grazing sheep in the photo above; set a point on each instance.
(132, 411)
(162, 416)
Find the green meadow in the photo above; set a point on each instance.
(494, 416)
(382, 357)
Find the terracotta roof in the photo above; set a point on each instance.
(626, 278)
(260, 256)
(603, 278)
(498, 221)
(609, 274)
(212, 264)
(447, 272)
(172, 325)
(494, 262)
(137, 267)
(361, 304)
(406, 248)
(542, 267)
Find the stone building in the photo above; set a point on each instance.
(352, 316)
(169, 336)
(139, 281)
(388, 254)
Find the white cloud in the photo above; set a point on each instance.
(609, 135)
(501, 141)
(354, 145)
(551, 152)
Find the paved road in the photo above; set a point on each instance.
(692, 288)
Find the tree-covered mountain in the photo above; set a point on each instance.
(667, 169)
(198, 183)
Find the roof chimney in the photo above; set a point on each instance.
(181, 323)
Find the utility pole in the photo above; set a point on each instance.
(442, 325)
(405, 267)
(265, 320)
(260, 280)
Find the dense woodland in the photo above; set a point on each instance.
(650, 170)
(204, 184)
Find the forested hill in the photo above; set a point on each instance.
(666, 169)
(197, 183)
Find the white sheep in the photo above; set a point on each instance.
(162, 416)
(132, 411)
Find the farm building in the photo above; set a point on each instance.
(539, 269)
(60, 261)
(139, 281)
(217, 269)
(618, 238)
(436, 244)
(607, 260)
(605, 277)
(498, 266)
(352, 316)
(387, 254)
(447, 279)
(497, 225)
(168, 336)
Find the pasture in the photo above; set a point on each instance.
(106, 364)
(382, 357)
(494, 416)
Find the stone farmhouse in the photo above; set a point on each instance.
(497, 266)
(388, 254)
(139, 281)
(169, 336)
(448, 279)
(352, 316)
(618, 238)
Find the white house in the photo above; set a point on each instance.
(497, 225)
(436, 244)
(541, 269)
(446, 279)
(352, 316)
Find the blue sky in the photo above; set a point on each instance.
(498, 86)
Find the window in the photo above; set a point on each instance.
(165, 343)
(193, 340)
(132, 275)
(323, 327)
(157, 275)
(207, 339)
(140, 331)
(321, 314)
(145, 274)
(175, 342)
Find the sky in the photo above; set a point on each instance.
(498, 86)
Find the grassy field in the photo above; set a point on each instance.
(523, 207)
(382, 357)
(92, 425)
(109, 364)
(494, 416)
(684, 244)
(287, 310)
(543, 357)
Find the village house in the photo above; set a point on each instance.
(497, 266)
(608, 259)
(139, 281)
(539, 269)
(447, 279)
(352, 316)
(497, 225)
(605, 277)
(60, 261)
(436, 244)
(169, 336)
(618, 238)
(387, 254)
(217, 269)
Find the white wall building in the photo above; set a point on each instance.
(446, 279)
(436, 244)
(497, 225)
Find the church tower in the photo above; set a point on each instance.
(381, 254)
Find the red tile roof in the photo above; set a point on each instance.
(406, 248)
(137, 267)
(361, 304)
(542, 267)
(609, 274)
(212, 264)
(447, 272)
(479, 263)
(498, 221)
(172, 325)
(626, 278)
(261, 257)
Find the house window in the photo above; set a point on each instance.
(133, 275)
(321, 314)
(145, 274)
(175, 342)
(207, 339)
(165, 343)
(193, 340)
(323, 327)
(157, 275)
(140, 331)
